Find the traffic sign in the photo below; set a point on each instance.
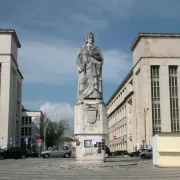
(10, 140)
(39, 142)
(114, 137)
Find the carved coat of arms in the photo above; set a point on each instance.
(92, 114)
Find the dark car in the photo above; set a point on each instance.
(108, 152)
(32, 153)
(136, 153)
(147, 154)
(13, 153)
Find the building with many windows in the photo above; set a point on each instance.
(147, 101)
(30, 126)
(10, 89)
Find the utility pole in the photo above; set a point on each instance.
(145, 112)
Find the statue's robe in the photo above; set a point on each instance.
(90, 73)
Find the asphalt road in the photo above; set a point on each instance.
(126, 168)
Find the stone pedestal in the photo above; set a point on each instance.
(90, 129)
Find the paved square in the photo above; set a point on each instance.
(67, 169)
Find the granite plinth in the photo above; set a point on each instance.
(90, 130)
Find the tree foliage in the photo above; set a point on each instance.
(54, 130)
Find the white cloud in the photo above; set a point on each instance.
(63, 110)
(84, 21)
(48, 64)
(116, 64)
(70, 15)
(56, 64)
(119, 7)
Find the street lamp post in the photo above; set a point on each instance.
(45, 129)
(145, 112)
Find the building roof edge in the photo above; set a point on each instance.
(143, 34)
(13, 32)
(120, 86)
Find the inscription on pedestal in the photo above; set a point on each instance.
(92, 127)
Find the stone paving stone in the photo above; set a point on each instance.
(68, 169)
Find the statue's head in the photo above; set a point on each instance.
(90, 38)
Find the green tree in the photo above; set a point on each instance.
(54, 130)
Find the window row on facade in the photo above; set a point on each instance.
(118, 147)
(119, 98)
(118, 132)
(26, 120)
(174, 101)
(118, 116)
(26, 131)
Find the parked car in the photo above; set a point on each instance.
(136, 153)
(147, 154)
(13, 153)
(32, 153)
(57, 151)
(107, 151)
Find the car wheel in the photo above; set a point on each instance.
(23, 156)
(106, 155)
(66, 155)
(46, 156)
(143, 156)
(1, 157)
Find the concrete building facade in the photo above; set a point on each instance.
(147, 101)
(10, 89)
(30, 126)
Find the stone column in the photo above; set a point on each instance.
(165, 99)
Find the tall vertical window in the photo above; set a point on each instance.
(0, 78)
(173, 88)
(155, 95)
(26, 131)
(26, 120)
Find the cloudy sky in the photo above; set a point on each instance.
(51, 32)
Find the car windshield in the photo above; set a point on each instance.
(56, 148)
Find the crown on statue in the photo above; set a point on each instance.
(89, 34)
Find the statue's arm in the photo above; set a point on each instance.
(97, 55)
(79, 62)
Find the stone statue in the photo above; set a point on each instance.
(90, 112)
(89, 64)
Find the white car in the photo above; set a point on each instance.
(57, 151)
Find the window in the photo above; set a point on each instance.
(56, 148)
(30, 120)
(26, 131)
(0, 78)
(174, 106)
(22, 120)
(155, 95)
(26, 120)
